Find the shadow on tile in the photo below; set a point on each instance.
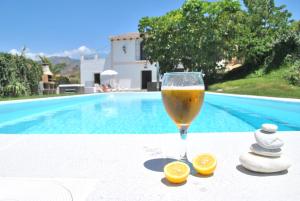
(157, 164)
(165, 182)
(243, 170)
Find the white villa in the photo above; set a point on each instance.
(126, 58)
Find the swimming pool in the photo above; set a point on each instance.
(120, 113)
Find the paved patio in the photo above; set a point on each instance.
(129, 168)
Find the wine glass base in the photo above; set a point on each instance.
(184, 158)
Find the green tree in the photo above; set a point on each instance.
(208, 34)
(18, 75)
(57, 68)
(160, 35)
(198, 36)
(296, 26)
(201, 33)
(34, 75)
(266, 25)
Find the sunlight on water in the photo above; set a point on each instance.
(118, 113)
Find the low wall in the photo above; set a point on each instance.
(76, 88)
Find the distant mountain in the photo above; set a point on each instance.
(72, 65)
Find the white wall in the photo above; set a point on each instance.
(88, 68)
(138, 49)
(119, 55)
(108, 64)
(133, 72)
(128, 65)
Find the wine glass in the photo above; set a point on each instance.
(182, 95)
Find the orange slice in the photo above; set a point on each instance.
(176, 172)
(205, 164)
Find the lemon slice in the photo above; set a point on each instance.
(205, 164)
(176, 172)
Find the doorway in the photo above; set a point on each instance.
(146, 77)
(96, 78)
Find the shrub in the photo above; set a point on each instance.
(15, 89)
(18, 75)
(293, 74)
(62, 80)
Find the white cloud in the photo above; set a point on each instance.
(28, 54)
(73, 53)
(14, 52)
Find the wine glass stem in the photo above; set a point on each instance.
(183, 135)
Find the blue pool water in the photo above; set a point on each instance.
(142, 113)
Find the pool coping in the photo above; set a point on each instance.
(138, 134)
(45, 98)
(77, 160)
(258, 97)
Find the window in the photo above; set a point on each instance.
(142, 53)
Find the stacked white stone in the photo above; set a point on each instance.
(266, 154)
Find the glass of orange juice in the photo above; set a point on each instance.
(182, 95)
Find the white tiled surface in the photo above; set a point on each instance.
(128, 167)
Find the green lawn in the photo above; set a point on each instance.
(35, 96)
(271, 84)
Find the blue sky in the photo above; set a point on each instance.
(65, 27)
